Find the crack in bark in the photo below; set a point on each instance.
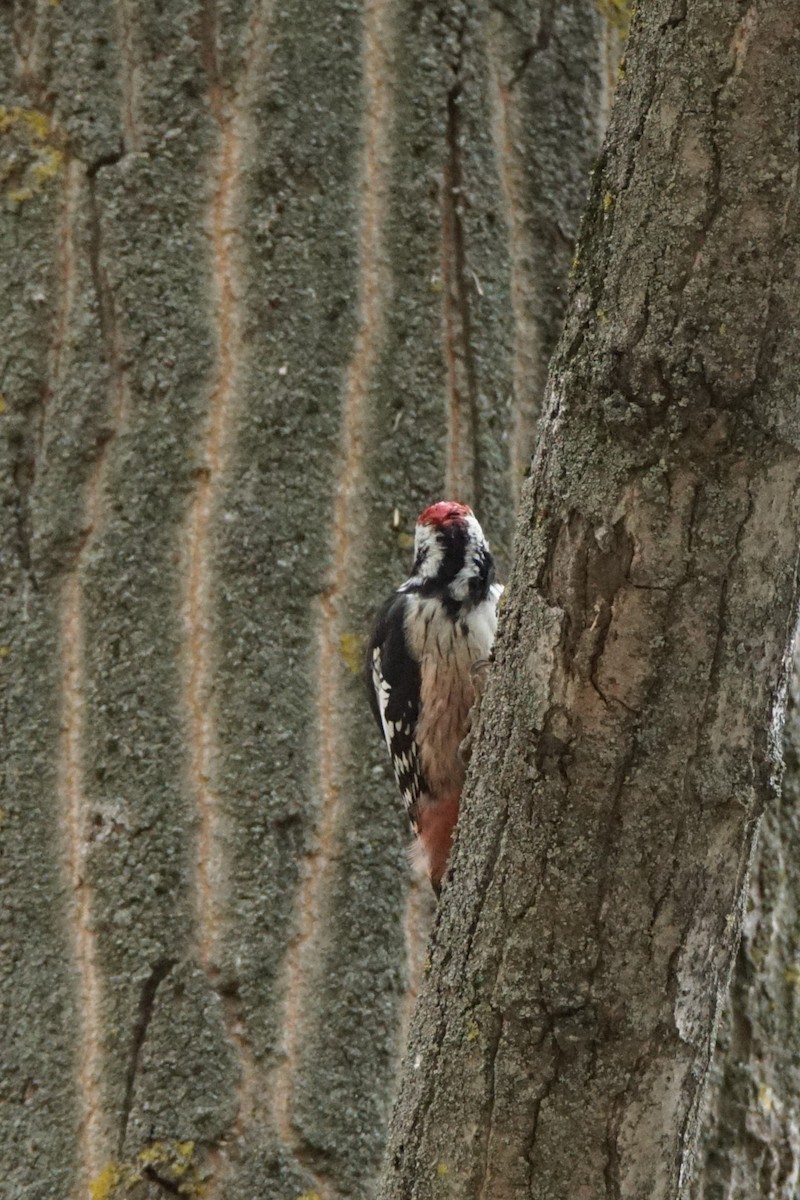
(147, 1002)
(167, 1185)
(722, 608)
(612, 824)
(549, 1086)
(109, 159)
(26, 465)
(536, 45)
(464, 465)
(633, 143)
(529, 370)
(661, 899)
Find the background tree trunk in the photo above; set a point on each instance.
(275, 276)
(629, 737)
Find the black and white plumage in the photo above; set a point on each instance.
(428, 638)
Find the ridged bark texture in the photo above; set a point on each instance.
(630, 735)
(263, 273)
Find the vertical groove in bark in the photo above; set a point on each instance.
(75, 817)
(229, 106)
(71, 766)
(373, 287)
(213, 464)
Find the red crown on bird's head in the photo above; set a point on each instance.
(446, 512)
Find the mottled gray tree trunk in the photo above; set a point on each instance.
(630, 736)
(751, 1136)
(274, 276)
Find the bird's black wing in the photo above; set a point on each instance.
(393, 683)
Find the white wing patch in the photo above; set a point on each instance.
(382, 691)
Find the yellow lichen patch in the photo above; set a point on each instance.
(608, 202)
(473, 1031)
(35, 124)
(175, 1162)
(309, 1196)
(792, 974)
(442, 1169)
(29, 155)
(351, 648)
(114, 1177)
(4, 651)
(2, 403)
(172, 1162)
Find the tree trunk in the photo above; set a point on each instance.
(269, 272)
(630, 735)
(751, 1145)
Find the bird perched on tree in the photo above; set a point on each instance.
(430, 638)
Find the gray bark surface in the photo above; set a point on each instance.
(266, 270)
(750, 1143)
(630, 735)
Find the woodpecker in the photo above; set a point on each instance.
(430, 638)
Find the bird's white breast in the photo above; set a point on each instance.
(446, 650)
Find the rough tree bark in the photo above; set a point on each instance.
(630, 734)
(269, 273)
(751, 1138)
